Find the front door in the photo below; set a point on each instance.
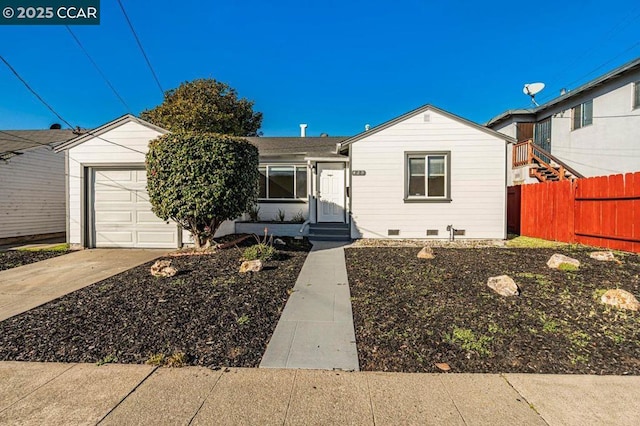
(331, 192)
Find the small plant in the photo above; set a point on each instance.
(109, 359)
(567, 267)
(254, 213)
(298, 217)
(243, 320)
(467, 340)
(262, 250)
(155, 359)
(281, 215)
(176, 360)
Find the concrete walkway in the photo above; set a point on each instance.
(315, 330)
(28, 286)
(72, 394)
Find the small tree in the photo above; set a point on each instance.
(205, 105)
(201, 180)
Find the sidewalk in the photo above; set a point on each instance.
(316, 327)
(28, 286)
(70, 394)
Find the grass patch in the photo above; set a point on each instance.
(109, 359)
(467, 340)
(58, 248)
(530, 242)
(567, 267)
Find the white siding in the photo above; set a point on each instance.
(126, 144)
(269, 211)
(32, 194)
(610, 145)
(478, 190)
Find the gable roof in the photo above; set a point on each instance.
(22, 140)
(599, 81)
(307, 146)
(424, 108)
(127, 118)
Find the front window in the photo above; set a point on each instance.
(428, 176)
(636, 94)
(282, 182)
(582, 115)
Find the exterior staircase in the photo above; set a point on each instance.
(329, 232)
(542, 164)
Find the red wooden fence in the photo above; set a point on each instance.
(600, 211)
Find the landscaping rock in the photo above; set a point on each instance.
(605, 256)
(556, 260)
(251, 266)
(503, 285)
(163, 268)
(620, 299)
(426, 253)
(279, 242)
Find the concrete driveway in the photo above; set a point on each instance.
(28, 286)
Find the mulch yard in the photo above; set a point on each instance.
(14, 258)
(411, 313)
(208, 312)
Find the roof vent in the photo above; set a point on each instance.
(303, 130)
(563, 91)
(324, 135)
(55, 126)
(367, 127)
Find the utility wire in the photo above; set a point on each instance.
(95, 65)
(34, 92)
(146, 58)
(13, 70)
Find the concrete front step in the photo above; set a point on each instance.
(329, 232)
(330, 237)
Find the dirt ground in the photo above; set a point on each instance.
(411, 313)
(208, 312)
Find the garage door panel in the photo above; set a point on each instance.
(122, 212)
(114, 217)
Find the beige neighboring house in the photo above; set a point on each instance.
(32, 182)
(592, 130)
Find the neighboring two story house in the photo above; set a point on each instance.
(592, 130)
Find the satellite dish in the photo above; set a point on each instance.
(532, 90)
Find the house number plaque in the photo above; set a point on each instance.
(358, 172)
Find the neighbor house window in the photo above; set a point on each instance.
(428, 176)
(582, 115)
(283, 182)
(636, 94)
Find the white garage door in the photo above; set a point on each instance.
(122, 212)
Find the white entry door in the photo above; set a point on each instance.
(331, 192)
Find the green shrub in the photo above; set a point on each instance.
(260, 251)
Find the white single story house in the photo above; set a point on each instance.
(32, 181)
(421, 175)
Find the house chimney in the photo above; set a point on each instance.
(303, 130)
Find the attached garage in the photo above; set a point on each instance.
(121, 215)
(107, 200)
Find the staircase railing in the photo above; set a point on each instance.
(526, 153)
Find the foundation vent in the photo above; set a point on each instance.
(393, 232)
(460, 232)
(432, 232)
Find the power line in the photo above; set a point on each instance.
(95, 65)
(34, 92)
(146, 58)
(13, 70)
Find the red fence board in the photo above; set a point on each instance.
(601, 211)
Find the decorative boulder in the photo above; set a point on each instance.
(558, 259)
(251, 266)
(279, 242)
(426, 253)
(605, 256)
(503, 285)
(163, 268)
(620, 299)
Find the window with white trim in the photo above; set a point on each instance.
(282, 182)
(636, 95)
(582, 115)
(428, 176)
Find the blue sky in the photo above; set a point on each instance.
(335, 65)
